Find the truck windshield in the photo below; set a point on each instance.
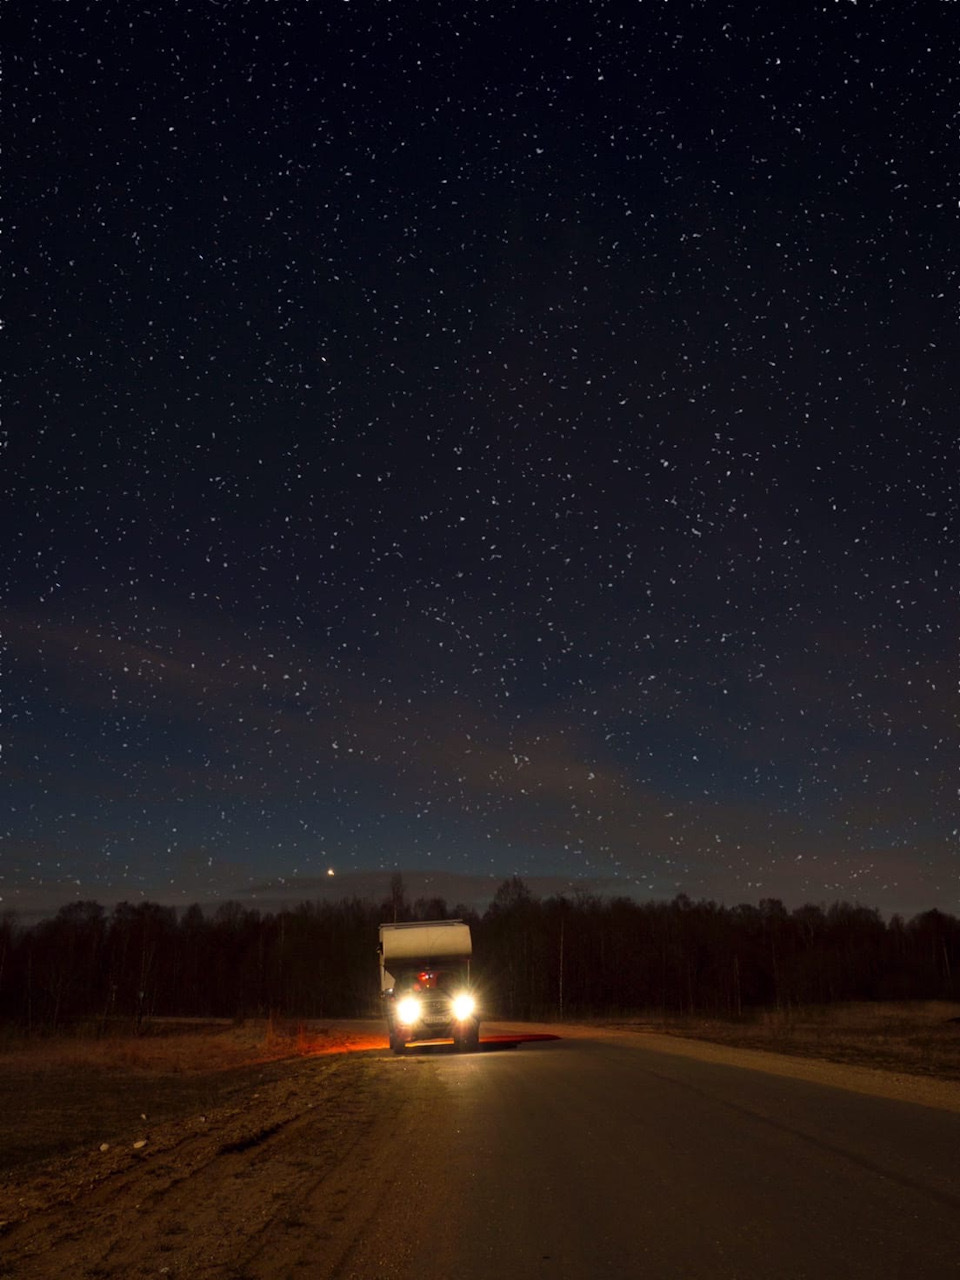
(449, 980)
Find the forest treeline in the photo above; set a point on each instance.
(533, 958)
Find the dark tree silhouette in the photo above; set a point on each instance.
(533, 958)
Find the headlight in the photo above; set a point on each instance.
(463, 1006)
(408, 1011)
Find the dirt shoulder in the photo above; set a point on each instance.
(65, 1095)
(901, 1086)
(919, 1048)
(264, 1184)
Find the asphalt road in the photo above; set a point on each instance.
(576, 1159)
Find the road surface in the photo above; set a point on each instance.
(572, 1159)
(586, 1159)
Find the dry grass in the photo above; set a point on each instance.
(171, 1047)
(921, 1038)
(61, 1093)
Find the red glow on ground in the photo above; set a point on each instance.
(364, 1043)
(351, 1044)
(523, 1039)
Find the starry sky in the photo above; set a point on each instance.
(480, 439)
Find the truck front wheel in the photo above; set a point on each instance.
(468, 1038)
(397, 1041)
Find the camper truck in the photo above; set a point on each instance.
(425, 983)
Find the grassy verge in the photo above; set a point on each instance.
(67, 1092)
(921, 1038)
(168, 1047)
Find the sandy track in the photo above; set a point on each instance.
(281, 1186)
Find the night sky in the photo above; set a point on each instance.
(480, 439)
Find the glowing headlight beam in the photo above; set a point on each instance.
(408, 1011)
(463, 1006)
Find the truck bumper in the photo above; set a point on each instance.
(465, 1035)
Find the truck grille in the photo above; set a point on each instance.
(436, 1011)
